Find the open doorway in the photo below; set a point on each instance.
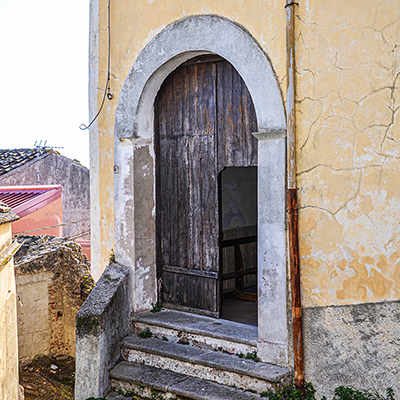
(204, 118)
(142, 240)
(238, 243)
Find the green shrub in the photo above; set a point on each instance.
(349, 393)
(291, 392)
(146, 333)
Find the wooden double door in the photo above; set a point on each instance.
(204, 119)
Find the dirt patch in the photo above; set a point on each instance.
(48, 378)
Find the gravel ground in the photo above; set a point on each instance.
(42, 380)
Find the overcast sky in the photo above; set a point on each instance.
(44, 74)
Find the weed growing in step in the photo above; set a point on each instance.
(249, 356)
(146, 333)
(156, 307)
(156, 395)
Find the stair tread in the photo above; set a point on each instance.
(201, 325)
(213, 359)
(176, 383)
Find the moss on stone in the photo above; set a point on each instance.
(88, 325)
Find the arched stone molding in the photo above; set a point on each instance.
(134, 190)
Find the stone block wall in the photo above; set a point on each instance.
(354, 345)
(33, 320)
(53, 280)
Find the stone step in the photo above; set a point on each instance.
(115, 396)
(200, 331)
(215, 366)
(143, 381)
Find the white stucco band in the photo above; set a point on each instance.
(134, 188)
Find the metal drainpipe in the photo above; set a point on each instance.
(294, 257)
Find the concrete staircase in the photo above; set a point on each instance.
(191, 357)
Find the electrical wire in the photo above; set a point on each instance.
(49, 227)
(79, 235)
(107, 93)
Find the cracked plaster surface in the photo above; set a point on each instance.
(348, 121)
(133, 24)
(348, 67)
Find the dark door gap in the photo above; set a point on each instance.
(238, 243)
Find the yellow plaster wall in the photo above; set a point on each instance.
(348, 63)
(348, 123)
(8, 322)
(133, 25)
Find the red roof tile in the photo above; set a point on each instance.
(25, 199)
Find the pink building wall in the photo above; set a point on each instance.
(85, 244)
(37, 207)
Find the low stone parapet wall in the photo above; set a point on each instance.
(101, 323)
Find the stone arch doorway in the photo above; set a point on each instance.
(203, 123)
(134, 183)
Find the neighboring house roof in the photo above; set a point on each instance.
(6, 215)
(40, 166)
(14, 158)
(26, 199)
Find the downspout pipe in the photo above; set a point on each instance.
(291, 196)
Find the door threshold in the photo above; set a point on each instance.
(200, 325)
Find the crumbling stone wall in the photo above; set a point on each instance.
(53, 280)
